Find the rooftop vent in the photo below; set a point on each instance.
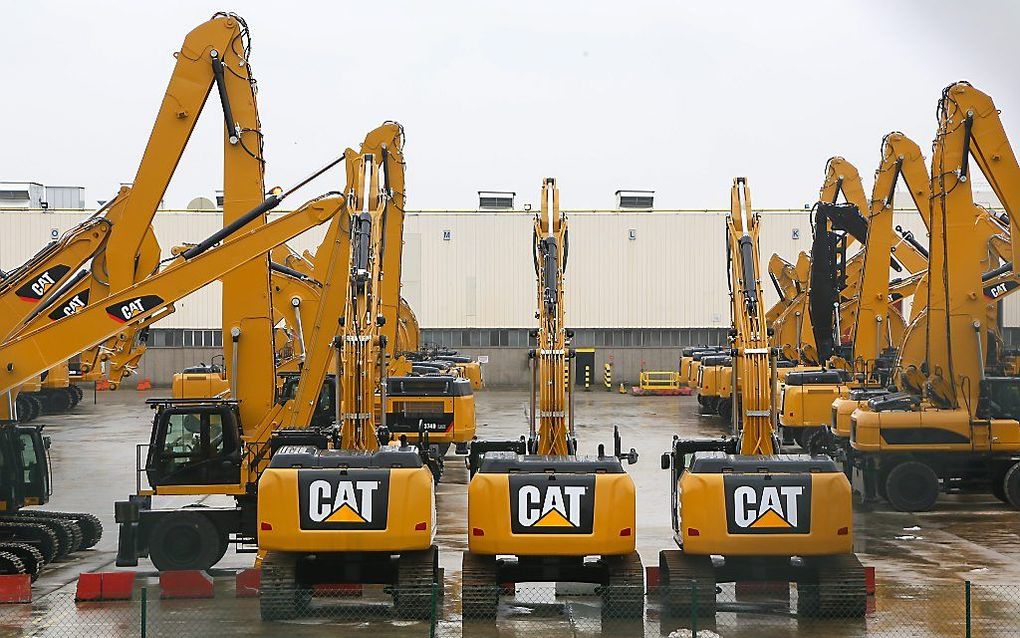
(496, 200)
(201, 203)
(634, 199)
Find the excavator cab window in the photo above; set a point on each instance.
(34, 466)
(325, 411)
(999, 399)
(194, 446)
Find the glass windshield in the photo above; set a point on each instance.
(33, 463)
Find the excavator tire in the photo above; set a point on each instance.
(725, 409)
(833, 587)
(11, 564)
(29, 556)
(415, 593)
(480, 591)
(685, 582)
(280, 596)
(184, 540)
(623, 594)
(1011, 485)
(89, 524)
(40, 536)
(912, 486)
(57, 401)
(29, 408)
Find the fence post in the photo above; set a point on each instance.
(694, 608)
(435, 611)
(144, 608)
(966, 598)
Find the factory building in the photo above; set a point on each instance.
(643, 282)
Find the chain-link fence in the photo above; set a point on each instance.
(677, 611)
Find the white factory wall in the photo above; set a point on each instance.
(474, 269)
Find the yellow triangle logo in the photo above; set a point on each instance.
(771, 519)
(345, 514)
(553, 519)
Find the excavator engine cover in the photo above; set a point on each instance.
(814, 377)
(313, 500)
(780, 505)
(442, 406)
(531, 505)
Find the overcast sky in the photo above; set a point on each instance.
(675, 97)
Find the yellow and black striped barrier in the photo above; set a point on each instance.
(607, 377)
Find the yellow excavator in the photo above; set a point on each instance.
(439, 398)
(767, 516)
(341, 505)
(878, 326)
(792, 330)
(537, 509)
(955, 424)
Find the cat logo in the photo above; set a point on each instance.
(998, 290)
(357, 499)
(128, 310)
(34, 290)
(73, 306)
(553, 504)
(768, 504)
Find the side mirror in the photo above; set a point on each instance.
(46, 442)
(666, 460)
(632, 456)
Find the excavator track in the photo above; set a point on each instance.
(40, 536)
(686, 581)
(480, 591)
(414, 594)
(280, 595)
(833, 587)
(67, 532)
(30, 557)
(10, 563)
(89, 524)
(623, 595)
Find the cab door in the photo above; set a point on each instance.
(33, 466)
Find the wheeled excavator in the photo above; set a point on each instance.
(537, 510)
(955, 424)
(766, 516)
(877, 327)
(344, 504)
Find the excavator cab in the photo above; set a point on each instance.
(999, 398)
(194, 443)
(325, 410)
(24, 466)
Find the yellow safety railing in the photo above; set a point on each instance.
(659, 380)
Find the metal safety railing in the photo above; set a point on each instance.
(659, 380)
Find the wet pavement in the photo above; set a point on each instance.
(966, 538)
